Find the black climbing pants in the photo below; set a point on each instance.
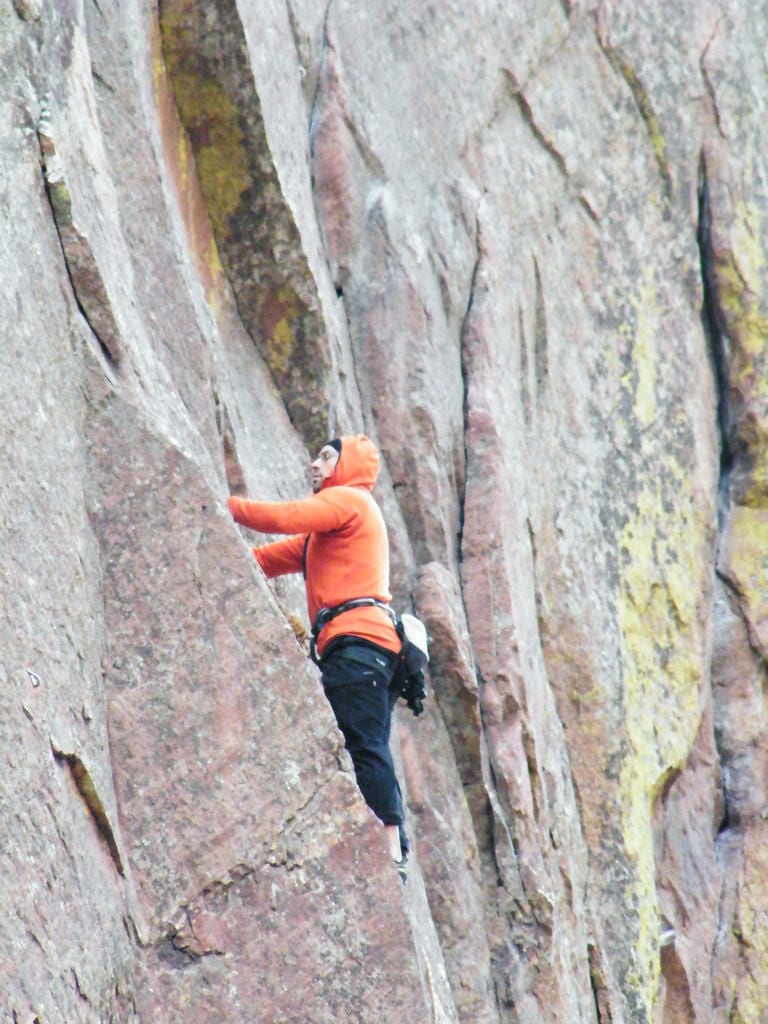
(356, 678)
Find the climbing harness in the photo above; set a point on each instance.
(408, 678)
(325, 615)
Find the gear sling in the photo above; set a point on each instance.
(408, 678)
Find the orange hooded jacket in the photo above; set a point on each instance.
(348, 550)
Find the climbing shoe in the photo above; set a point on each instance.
(401, 867)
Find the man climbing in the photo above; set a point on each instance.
(339, 541)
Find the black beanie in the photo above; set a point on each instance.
(335, 443)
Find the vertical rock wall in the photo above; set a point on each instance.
(523, 247)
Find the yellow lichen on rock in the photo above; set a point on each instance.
(215, 281)
(742, 285)
(212, 122)
(751, 929)
(210, 117)
(740, 276)
(184, 176)
(281, 345)
(745, 553)
(280, 310)
(662, 664)
(661, 586)
(743, 290)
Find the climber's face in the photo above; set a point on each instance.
(324, 466)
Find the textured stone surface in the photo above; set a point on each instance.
(523, 247)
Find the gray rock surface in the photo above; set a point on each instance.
(523, 247)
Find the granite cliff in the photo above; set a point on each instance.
(523, 246)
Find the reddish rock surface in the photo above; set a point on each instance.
(523, 247)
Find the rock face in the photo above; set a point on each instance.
(523, 247)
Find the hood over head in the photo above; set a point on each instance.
(358, 464)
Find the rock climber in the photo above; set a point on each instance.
(338, 539)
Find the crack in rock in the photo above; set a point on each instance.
(551, 149)
(87, 790)
(29, 10)
(87, 283)
(645, 108)
(709, 85)
(257, 235)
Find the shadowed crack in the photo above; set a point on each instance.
(257, 235)
(529, 918)
(29, 10)
(599, 985)
(708, 85)
(714, 325)
(550, 148)
(87, 790)
(541, 344)
(88, 286)
(232, 466)
(465, 388)
(642, 101)
(177, 949)
(547, 144)
(198, 928)
(80, 993)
